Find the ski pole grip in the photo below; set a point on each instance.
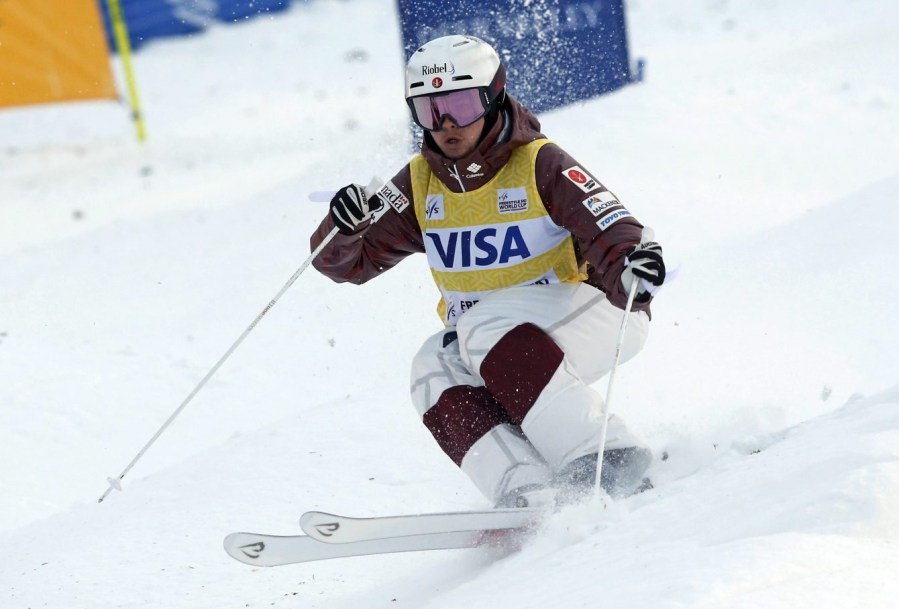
(373, 187)
(325, 196)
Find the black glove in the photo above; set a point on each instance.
(644, 263)
(350, 208)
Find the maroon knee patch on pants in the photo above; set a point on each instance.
(461, 417)
(519, 367)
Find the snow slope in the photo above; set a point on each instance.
(764, 150)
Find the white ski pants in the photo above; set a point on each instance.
(507, 391)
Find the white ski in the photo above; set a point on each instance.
(271, 550)
(334, 536)
(333, 528)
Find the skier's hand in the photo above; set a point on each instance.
(644, 263)
(351, 208)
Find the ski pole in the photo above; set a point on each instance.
(646, 236)
(116, 483)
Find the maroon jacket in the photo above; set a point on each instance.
(378, 247)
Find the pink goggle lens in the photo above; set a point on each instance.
(462, 107)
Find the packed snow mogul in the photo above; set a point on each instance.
(533, 258)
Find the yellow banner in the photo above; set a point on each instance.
(51, 51)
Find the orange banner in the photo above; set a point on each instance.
(51, 51)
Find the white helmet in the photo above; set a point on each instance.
(455, 77)
(454, 62)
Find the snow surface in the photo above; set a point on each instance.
(763, 148)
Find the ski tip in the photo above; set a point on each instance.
(320, 525)
(246, 548)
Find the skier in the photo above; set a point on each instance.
(533, 258)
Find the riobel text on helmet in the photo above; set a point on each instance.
(446, 68)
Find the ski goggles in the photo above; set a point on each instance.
(463, 107)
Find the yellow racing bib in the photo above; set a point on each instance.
(495, 237)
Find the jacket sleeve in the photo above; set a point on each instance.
(375, 247)
(602, 228)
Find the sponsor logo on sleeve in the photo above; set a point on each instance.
(581, 178)
(393, 196)
(610, 219)
(512, 200)
(600, 202)
(434, 207)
